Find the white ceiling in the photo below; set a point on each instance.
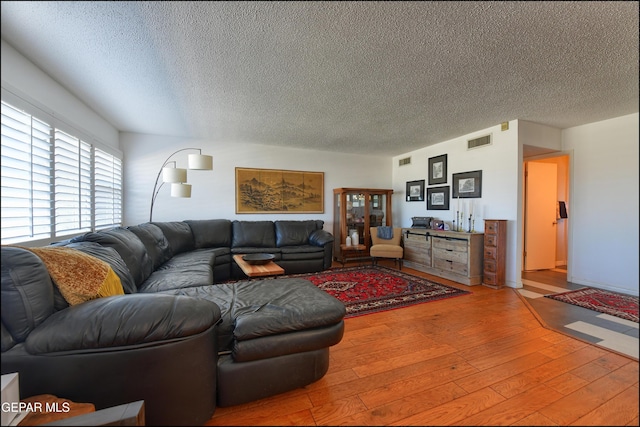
(369, 77)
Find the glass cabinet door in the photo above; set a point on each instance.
(355, 210)
(355, 215)
(377, 210)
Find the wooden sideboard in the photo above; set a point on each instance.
(454, 255)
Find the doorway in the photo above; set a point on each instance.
(546, 214)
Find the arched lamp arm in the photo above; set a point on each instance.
(156, 189)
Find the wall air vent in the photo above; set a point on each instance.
(405, 161)
(479, 142)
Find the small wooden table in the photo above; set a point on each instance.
(258, 270)
(353, 253)
(55, 411)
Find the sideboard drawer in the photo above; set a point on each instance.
(490, 240)
(450, 244)
(452, 266)
(489, 279)
(489, 253)
(490, 227)
(448, 255)
(489, 266)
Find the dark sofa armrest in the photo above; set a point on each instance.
(320, 237)
(324, 239)
(120, 321)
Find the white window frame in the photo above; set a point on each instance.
(85, 188)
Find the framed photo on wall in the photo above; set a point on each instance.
(438, 169)
(438, 198)
(415, 191)
(467, 185)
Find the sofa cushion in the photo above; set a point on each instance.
(191, 258)
(177, 278)
(120, 322)
(302, 252)
(256, 309)
(27, 293)
(211, 233)
(179, 236)
(155, 241)
(256, 234)
(294, 233)
(111, 257)
(128, 245)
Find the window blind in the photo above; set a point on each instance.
(53, 183)
(107, 190)
(26, 177)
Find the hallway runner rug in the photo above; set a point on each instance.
(602, 301)
(371, 289)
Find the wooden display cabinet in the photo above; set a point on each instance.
(358, 209)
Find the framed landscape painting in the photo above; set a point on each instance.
(438, 169)
(415, 191)
(279, 191)
(438, 198)
(467, 184)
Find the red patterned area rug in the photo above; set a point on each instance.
(370, 289)
(615, 304)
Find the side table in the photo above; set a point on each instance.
(353, 253)
(55, 411)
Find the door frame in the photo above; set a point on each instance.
(570, 184)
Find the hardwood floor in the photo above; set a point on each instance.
(479, 359)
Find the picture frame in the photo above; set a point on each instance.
(278, 191)
(467, 185)
(438, 198)
(415, 191)
(438, 169)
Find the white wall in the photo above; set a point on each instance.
(603, 231)
(538, 135)
(31, 84)
(213, 192)
(500, 179)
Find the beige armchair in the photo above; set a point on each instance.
(387, 248)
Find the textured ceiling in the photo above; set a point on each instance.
(372, 77)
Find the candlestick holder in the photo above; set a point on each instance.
(473, 229)
(469, 223)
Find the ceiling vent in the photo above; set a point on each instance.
(405, 161)
(479, 142)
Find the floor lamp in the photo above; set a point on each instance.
(177, 177)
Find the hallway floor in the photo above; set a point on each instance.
(611, 332)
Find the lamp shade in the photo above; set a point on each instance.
(174, 175)
(180, 190)
(200, 162)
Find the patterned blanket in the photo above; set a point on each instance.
(79, 276)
